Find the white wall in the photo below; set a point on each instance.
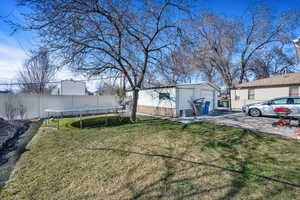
(69, 87)
(151, 98)
(36, 104)
(261, 94)
(180, 96)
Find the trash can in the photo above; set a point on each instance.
(199, 105)
(206, 108)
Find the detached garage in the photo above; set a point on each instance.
(175, 101)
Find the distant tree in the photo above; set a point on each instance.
(98, 36)
(21, 109)
(202, 63)
(274, 61)
(214, 39)
(108, 89)
(231, 46)
(10, 109)
(262, 30)
(172, 69)
(37, 71)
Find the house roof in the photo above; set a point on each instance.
(199, 83)
(278, 80)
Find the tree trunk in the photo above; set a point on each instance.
(134, 105)
(242, 75)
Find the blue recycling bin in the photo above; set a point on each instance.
(206, 108)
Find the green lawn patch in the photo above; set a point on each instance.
(70, 163)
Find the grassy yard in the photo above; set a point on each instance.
(68, 164)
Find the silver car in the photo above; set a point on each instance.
(267, 108)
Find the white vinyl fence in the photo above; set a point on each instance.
(36, 104)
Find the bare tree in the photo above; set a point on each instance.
(21, 109)
(172, 69)
(214, 39)
(10, 110)
(202, 63)
(274, 61)
(232, 45)
(109, 89)
(106, 36)
(263, 29)
(36, 73)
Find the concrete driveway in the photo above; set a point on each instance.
(240, 120)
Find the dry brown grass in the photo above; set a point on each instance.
(59, 167)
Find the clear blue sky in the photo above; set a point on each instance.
(13, 47)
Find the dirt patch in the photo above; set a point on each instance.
(14, 137)
(9, 130)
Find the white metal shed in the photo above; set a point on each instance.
(175, 100)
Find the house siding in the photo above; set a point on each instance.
(157, 111)
(261, 94)
(149, 102)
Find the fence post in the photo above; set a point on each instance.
(39, 105)
(72, 104)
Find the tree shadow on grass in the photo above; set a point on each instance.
(176, 182)
(239, 150)
(173, 186)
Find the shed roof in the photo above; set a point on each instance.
(182, 86)
(196, 84)
(278, 80)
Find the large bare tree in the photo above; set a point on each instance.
(232, 45)
(262, 30)
(214, 39)
(105, 36)
(36, 73)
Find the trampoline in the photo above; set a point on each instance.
(81, 110)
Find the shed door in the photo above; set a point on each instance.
(208, 95)
(185, 95)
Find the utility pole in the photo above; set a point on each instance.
(297, 47)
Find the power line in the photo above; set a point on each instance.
(56, 82)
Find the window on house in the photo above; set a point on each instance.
(251, 94)
(237, 97)
(294, 91)
(164, 96)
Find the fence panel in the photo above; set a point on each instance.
(36, 104)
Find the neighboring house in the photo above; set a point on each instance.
(70, 87)
(265, 89)
(175, 100)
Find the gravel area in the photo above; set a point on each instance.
(240, 120)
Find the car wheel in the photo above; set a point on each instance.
(254, 112)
